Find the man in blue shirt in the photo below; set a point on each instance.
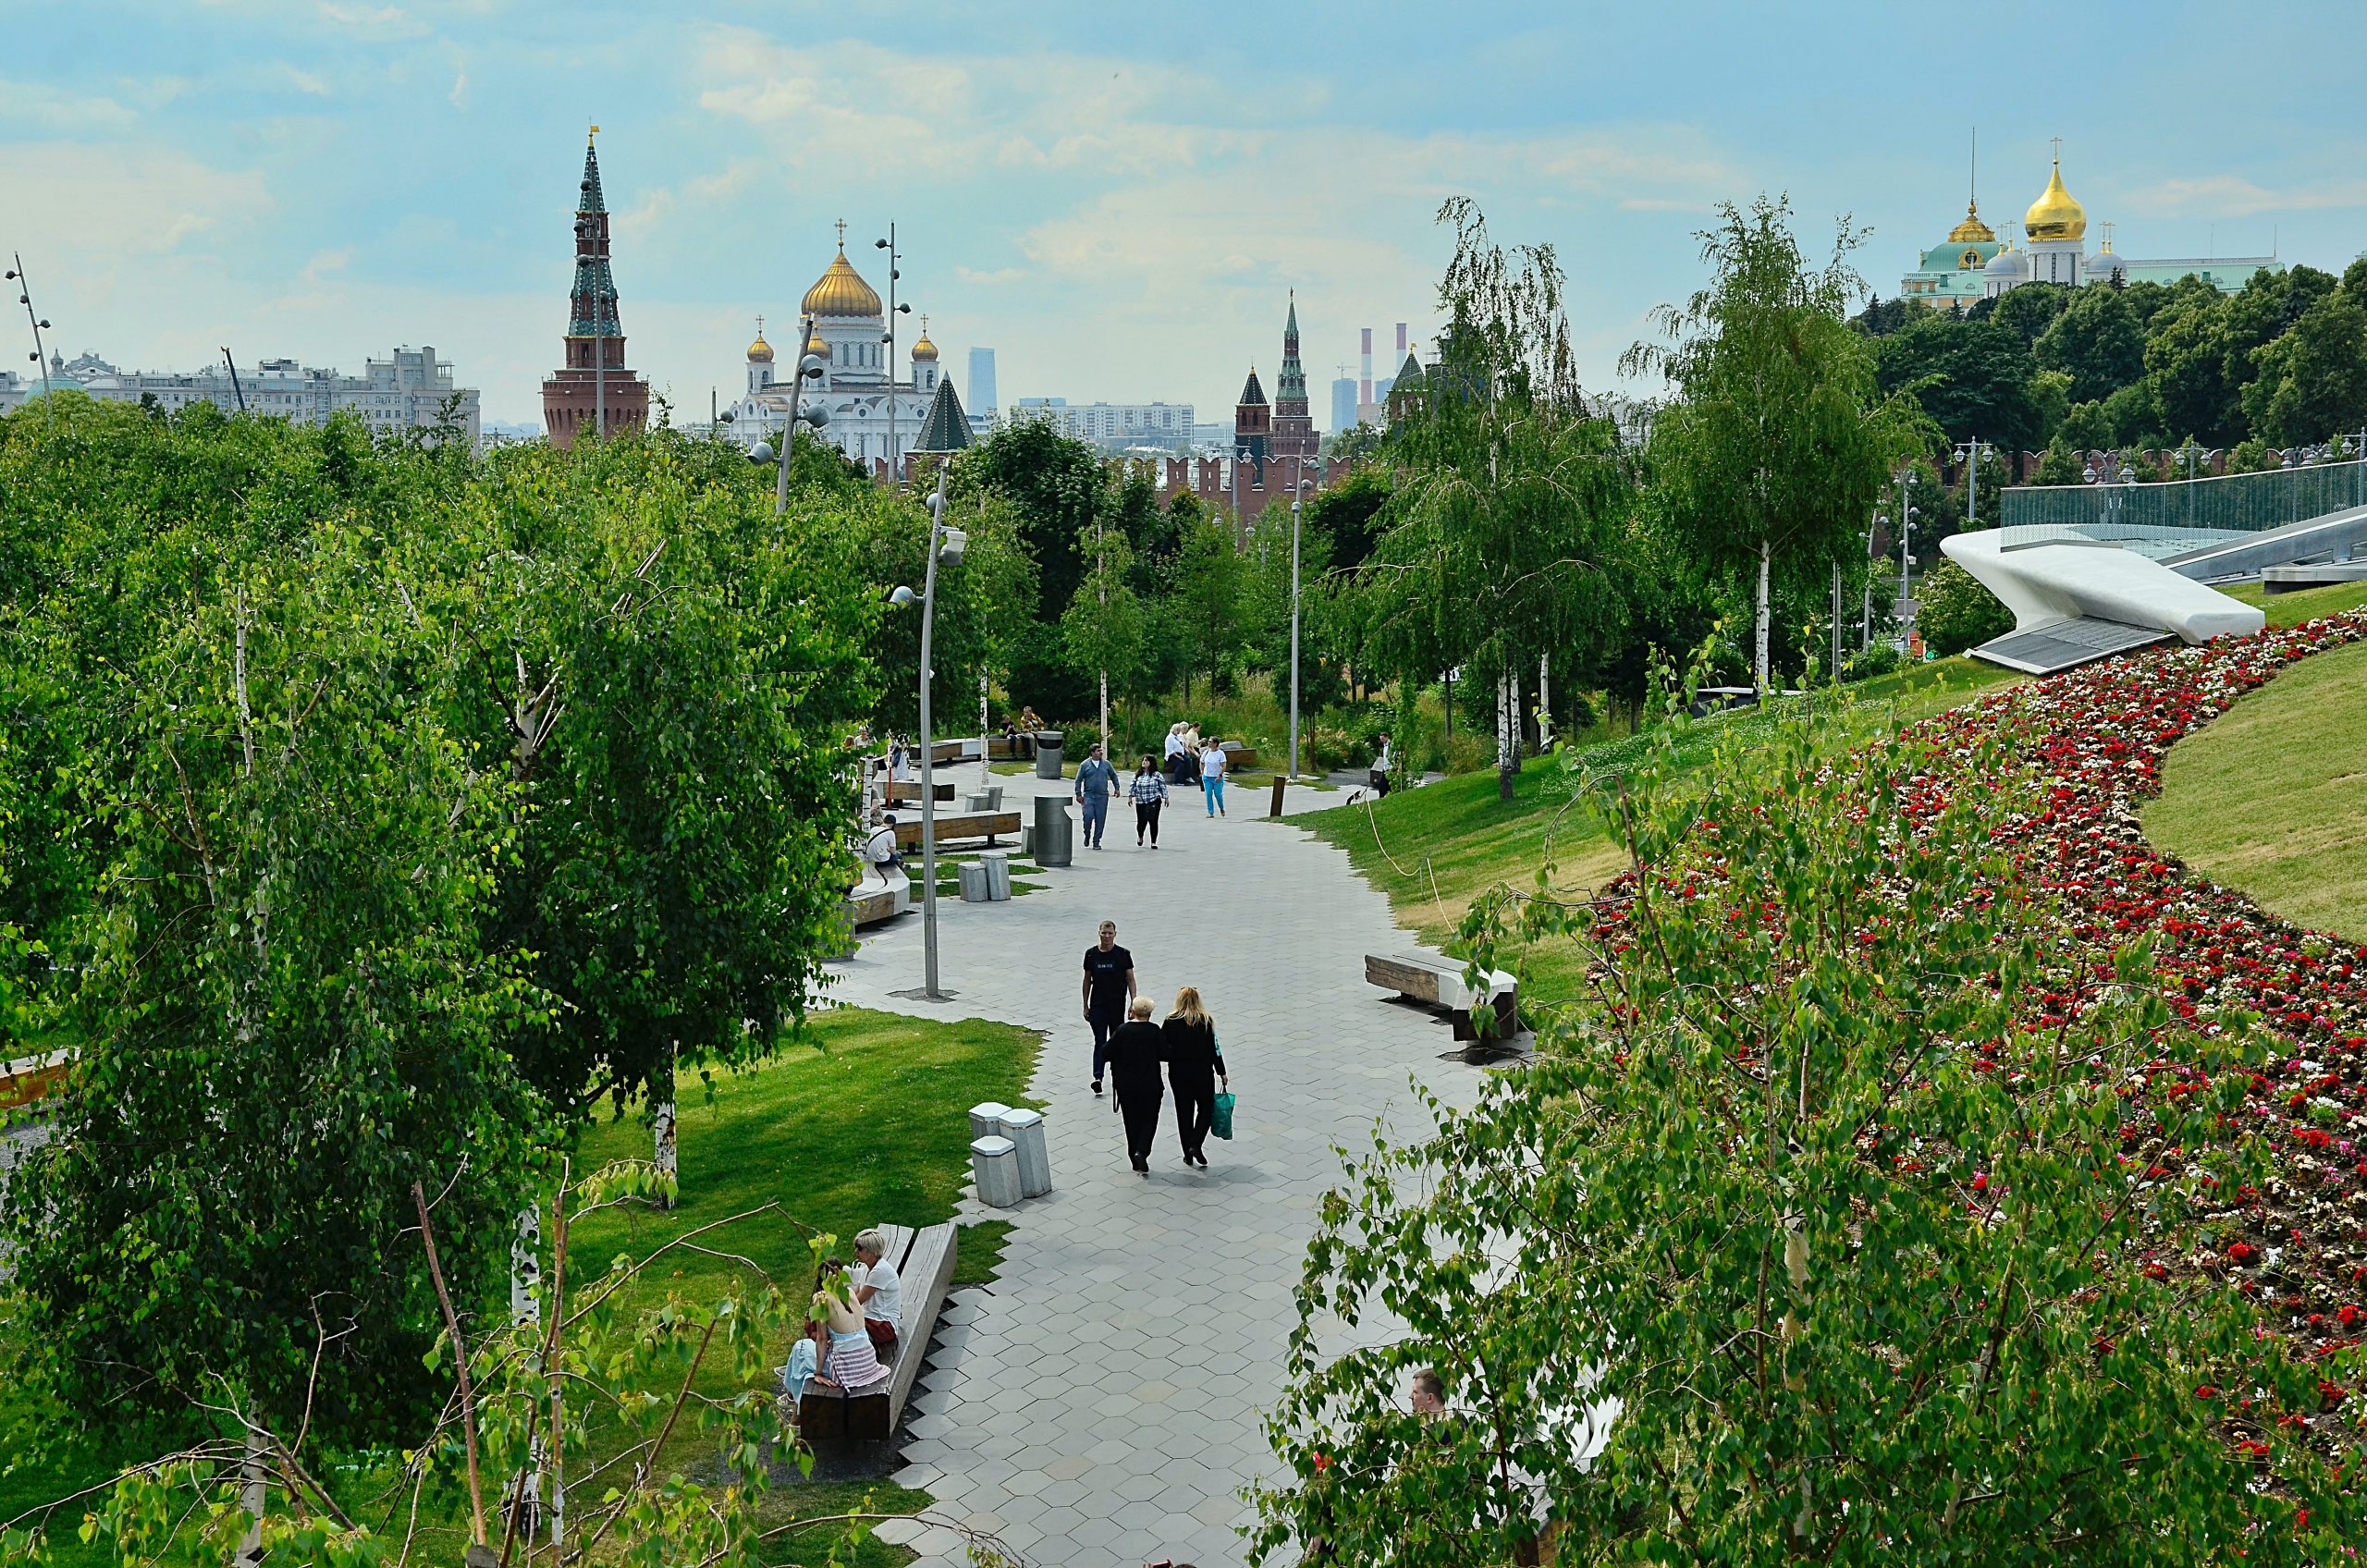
(1096, 782)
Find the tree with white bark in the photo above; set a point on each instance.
(1771, 452)
(1500, 539)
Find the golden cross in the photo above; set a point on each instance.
(2058, 147)
(842, 234)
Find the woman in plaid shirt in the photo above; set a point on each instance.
(1148, 792)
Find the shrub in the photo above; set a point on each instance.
(1957, 612)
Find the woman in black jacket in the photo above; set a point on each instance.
(1193, 1065)
(1135, 1047)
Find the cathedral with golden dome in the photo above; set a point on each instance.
(874, 414)
(1976, 265)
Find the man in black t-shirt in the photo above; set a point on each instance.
(1108, 986)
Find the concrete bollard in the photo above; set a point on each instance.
(997, 864)
(1024, 1128)
(994, 1164)
(974, 882)
(986, 1119)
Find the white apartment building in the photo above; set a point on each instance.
(406, 392)
(1163, 424)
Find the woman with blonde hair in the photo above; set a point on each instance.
(1193, 1065)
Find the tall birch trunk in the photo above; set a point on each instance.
(661, 1117)
(1766, 554)
(526, 1311)
(1544, 702)
(1507, 741)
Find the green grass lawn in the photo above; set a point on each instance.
(2271, 797)
(861, 1122)
(1435, 849)
(2292, 609)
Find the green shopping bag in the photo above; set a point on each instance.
(1221, 1124)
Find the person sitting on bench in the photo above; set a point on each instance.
(850, 1361)
(880, 850)
(878, 1291)
(805, 1364)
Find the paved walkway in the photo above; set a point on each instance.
(1102, 1405)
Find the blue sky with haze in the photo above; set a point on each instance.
(1117, 199)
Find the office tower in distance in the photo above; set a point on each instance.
(1344, 404)
(984, 404)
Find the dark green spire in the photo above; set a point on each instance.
(591, 306)
(946, 429)
(1291, 385)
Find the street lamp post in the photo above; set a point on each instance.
(804, 367)
(1969, 453)
(1298, 484)
(946, 544)
(39, 355)
(895, 271)
(1907, 513)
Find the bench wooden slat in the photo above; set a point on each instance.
(928, 1274)
(1405, 975)
(987, 825)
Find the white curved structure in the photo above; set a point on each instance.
(2077, 601)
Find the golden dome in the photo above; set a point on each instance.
(2054, 216)
(760, 352)
(815, 345)
(925, 350)
(841, 291)
(1972, 231)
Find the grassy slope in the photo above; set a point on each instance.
(1434, 850)
(2272, 798)
(863, 1123)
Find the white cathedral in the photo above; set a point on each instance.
(874, 418)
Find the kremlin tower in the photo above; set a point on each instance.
(595, 387)
(1294, 426)
(1253, 424)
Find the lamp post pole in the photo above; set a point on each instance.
(40, 354)
(798, 372)
(1971, 452)
(1298, 485)
(1907, 513)
(929, 748)
(895, 271)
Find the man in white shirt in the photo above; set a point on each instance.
(880, 1290)
(880, 849)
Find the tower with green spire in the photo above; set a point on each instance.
(592, 386)
(1293, 434)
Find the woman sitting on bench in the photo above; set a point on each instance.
(850, 1362)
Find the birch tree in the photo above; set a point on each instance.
(1773, 445)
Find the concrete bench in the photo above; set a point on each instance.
(1438, 983)
(955, 826)
(854, 1435)
(2292, 578)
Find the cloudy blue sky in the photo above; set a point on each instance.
(1118, 199)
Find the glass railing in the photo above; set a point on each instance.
(2166, 520)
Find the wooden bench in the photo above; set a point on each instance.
(854, 1434)
(951, 825)
(1438, 983)
(30, 1078)
(909, 790)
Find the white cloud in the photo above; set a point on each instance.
(37, 107)
(2232, 196)
(127, 202)
(370, 21)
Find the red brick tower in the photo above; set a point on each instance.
(1294, 426)
(1253, 422)
(595, 387)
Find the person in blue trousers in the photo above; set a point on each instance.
(1212, 769)
(1096, 782)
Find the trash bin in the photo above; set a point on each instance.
(974, 882)
(997, 864)
(1047, 753)
(994, 1164)
(1024, 1128)
(985, 1116)
(1052, 830)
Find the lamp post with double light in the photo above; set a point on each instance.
(945, 546)
(1299, 484)
(808, 367)
(39, 355)
(895, 271)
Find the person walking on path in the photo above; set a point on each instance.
(1108, 986)
(1212, 776)
(1096, 782)
(1135, 1047)
(1193, 1065)
(1148, 792)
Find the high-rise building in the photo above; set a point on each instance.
(408, 391)
(1294, 424)
(1111, 424)
(1344, 404)
(595, 387)
(983, 403)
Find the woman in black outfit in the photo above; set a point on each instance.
(1193, 1065)
(1135, 1047)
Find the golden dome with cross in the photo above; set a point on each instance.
(840, 290)
(2054, 216)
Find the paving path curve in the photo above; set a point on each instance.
(1102, 1403)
